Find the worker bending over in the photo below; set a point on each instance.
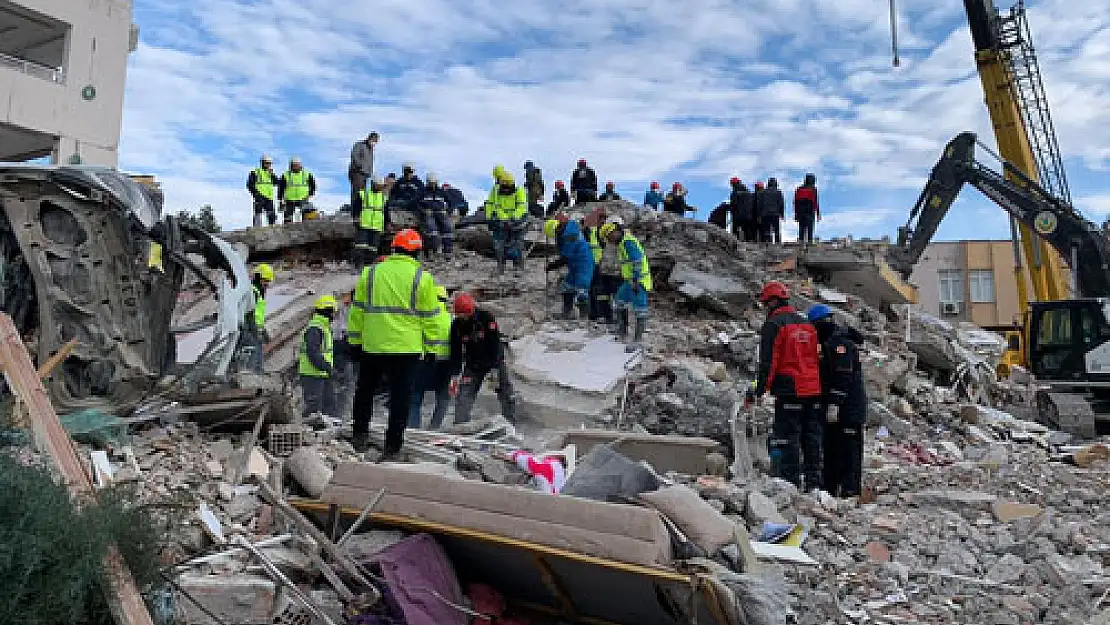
(789, 370)
(675, 201)
(845, 403)
(297, 187)
(476, 350)
(434, 373)
(576, 256)
(262, 183)
(394, 307)
(372, 221)
(600, 303)
(632, 296)
(255, 335)
(316, 359)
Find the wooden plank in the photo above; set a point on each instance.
(48, 367)
(51, 438)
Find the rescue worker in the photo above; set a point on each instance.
(654, 197)
(406, 193)
(632, 296)
(583, 183)
(845, 403)
(506, 216)
(434, 372)
(361, 169)
(262, 184)
(388, 184)
(675, 201)
(437, 222)
(600, 306)
(560, 199)
(476, 350)
(759, 207)
(394, 308)
(774, 209)
(743, 211)
(373, 221)
(789, 369)
(316, 359)
(296, 189)
(456, 201)
(719, 216)
(807, 210)
(255, 335)
(610, 194)
(576, 256)
(533, 185)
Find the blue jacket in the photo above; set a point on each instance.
(579, 257)
(653, 199)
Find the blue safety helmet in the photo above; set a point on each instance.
(818, 312)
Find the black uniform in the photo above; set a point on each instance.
(843, 386)
(609, 196)
(719, 216)
(456, 201)
(406, 193)
(743, 213)
(774, 209)
(533, 183)
(436, 223)
(583, 182)
(476, 349)
(560, 200)
(675, 203)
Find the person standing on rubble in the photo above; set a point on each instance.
(576, 256)
(255, 335)
(583, 183)
(600, 307)
(507, 218)
(653, 199)
(296, 189)
(675, 201)
(434, 372)
(476, 350)
(316, 359)
(845, 403)
(789, 369)
(394, 308)
(533, 184)
(406, 193)
(456, 201)
(742, 204)
(759, 209)
(361, 169)
(373, 220)
(807, 209)
(632, 296)
(610, 194)
(437, 223)
(262, 184)
(774, 209)
(560, 199)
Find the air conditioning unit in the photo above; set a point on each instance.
(949, 308)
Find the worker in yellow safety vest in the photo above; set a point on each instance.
(255, 335)
(632, 296)
(296, 188)
(372, 221)
(507, 218)
(316, 359)
(261, 183)
(435, 370)
(393, 311)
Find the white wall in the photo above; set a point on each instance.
(98, 45)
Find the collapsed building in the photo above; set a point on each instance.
(972, 511)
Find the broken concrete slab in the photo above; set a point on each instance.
(712, 291)
(861, 272)
(234, 598)
(575, 360)
(1006, 511)
(684, 454)
(761, 509)
(957, 500)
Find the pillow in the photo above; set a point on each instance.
(702, 524)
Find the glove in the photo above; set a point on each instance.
(453, 388)
(832, 413)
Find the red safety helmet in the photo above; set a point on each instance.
(654, 184)
(464, 303)
(610, 183)
(733, 180)
(446, 186)
(559, 184)
(676, 186)
(581, 162)
(759, 185)
(408, 240)
(774, 289)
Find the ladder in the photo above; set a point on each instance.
(1016, 41)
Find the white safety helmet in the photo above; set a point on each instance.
(431, 176)
(617, 220)
(266, 158)
(296, 160)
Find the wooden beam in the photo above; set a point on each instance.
(51, 438)
(48, 367)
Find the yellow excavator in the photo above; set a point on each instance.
(1064, 335)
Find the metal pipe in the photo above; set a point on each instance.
(894, 32)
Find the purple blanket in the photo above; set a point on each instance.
(415, 568)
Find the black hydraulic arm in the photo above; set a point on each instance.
(1082, 244)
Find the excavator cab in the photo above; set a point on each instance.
(1069, 341)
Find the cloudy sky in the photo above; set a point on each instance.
(696, 91)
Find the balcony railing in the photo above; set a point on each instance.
(33, 69)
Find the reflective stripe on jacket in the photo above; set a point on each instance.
(259, 309)
(296, 185)
(507, 206)
(264, 183)
(437, 340)
(634, 262)
(304, 365)
(372, 216)
(395, 304)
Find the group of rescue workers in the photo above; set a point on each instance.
(292, 191)
(811, 366)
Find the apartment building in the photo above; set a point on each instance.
(63, 64)
(969, 281)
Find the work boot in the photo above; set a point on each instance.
(568, 305)
(637, 337)
(622, 324)
(361, 442)
(583, 310)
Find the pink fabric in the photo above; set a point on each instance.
(416, 569)
(548, 470)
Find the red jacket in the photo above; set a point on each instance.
(789, 360)
(805, 203)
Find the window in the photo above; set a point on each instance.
(951, 286)
(981, 283)
(1055, 329)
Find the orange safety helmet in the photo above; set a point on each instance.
(464, 303)
(408, 240)
(774, 289)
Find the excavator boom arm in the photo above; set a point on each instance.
(1083, 246)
